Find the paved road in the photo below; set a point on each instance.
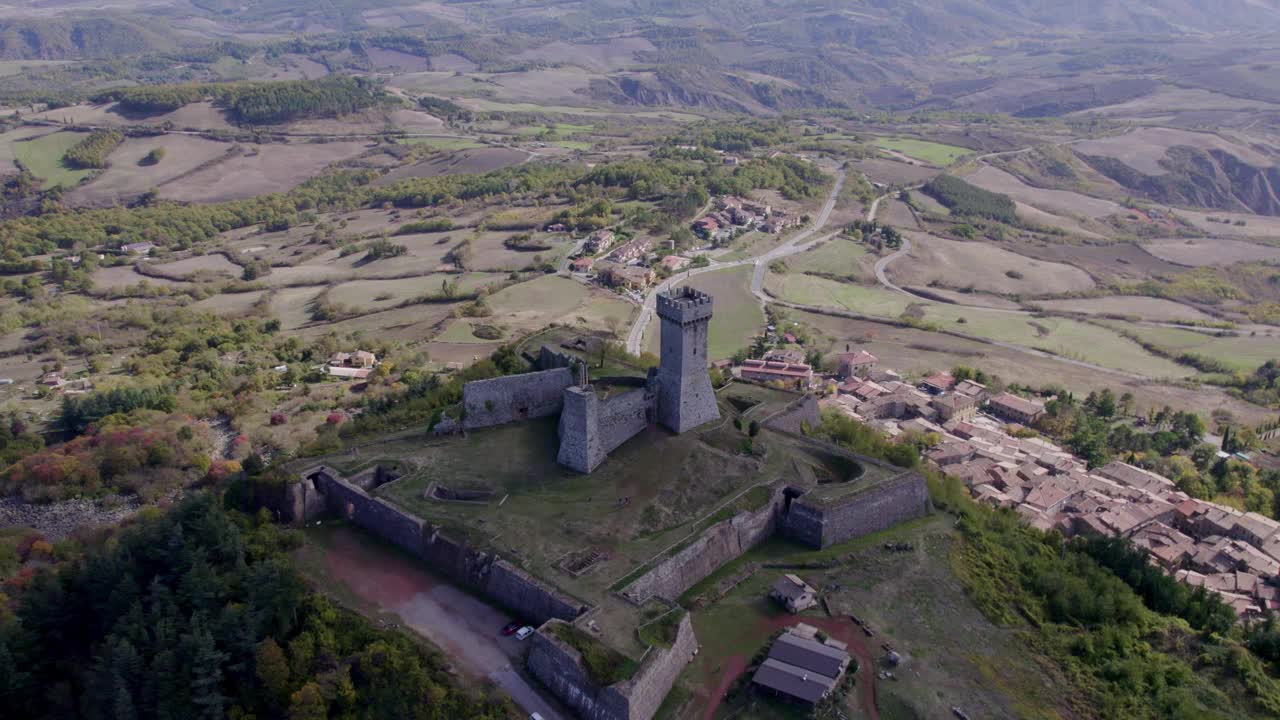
(795, 244)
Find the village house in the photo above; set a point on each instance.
(859, 363)
(138, 248)
(674, 263)
(358, 359)
(977, 391)
(800, 668)
(784, 355)
(954, 406)
(632, 277)
(938, 383)
(763, 371)
(582, 264)
(599, 241)
(631, 251)
(793, 594)
(1011, 408)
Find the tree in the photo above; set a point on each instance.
(272, 670)
(754, 428)
(308, 704)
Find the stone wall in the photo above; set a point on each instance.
(488, 574)
(823, 524)
(802, 412)
(591, 428)
(560, 668)
(716, 546)
(514, 397)
(549, 359)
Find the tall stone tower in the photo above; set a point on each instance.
(685, 397)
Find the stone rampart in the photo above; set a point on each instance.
(501, 400)
(495, 578)
(560, 668)
(550, 359)
(798, 415)
(821, 524)
(716, 546)
(591, 428)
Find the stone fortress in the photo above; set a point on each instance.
(677, 394)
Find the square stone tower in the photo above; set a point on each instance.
(685, 397)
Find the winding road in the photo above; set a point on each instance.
(795, 244)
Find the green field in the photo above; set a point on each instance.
(574, 144)
(441, 143)
(930, 152)
(460, 331)
(13, 67)
(558, 130)
(738, 317)
(838, 257)
(1068, 338)
(43, 157)
(1243, 352)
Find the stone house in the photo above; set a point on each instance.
(793, 594)
(856, 364)
(763, 371)
(954, 406)
(1011, 408)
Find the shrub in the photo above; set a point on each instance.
(152, 158)
(278, 418)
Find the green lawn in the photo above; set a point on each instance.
(838, 256)
(440, 143)
(43, 157)
(930, 152)
(460, 331)
(573, 144)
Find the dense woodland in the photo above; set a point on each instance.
(196, 613)
(258, 103)
(968, 200)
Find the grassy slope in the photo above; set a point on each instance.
(43, 157)
(930, 152)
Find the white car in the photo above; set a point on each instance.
(524, 632)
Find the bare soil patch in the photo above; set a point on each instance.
(264, 169)
(1036, 216)
(1259, 226)
(1104, 262)
(897, 214)
(1142, 149)
(983, 267)
(1053, 201)
(121, 276)
(1198, 252)
(893, 172)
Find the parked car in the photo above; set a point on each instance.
(524, 632)
(510, 628)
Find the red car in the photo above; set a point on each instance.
(510, 628)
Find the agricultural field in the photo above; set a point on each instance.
(373, 295)
(1057, 202)
(917, 353)
(1144, 308)
(129, 174)
(892, 172)
(474, 159)
(213, 265)
(982, 267)
(259, 169)
(1244, 351)
(1211, 251)
(42, 156)
(10, 140)
(931, 152)
(535, 304)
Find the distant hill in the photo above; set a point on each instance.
(67, 39)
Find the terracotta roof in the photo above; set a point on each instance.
(1017, 404)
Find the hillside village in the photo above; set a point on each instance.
(985, 440)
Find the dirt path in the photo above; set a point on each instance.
(463, 626)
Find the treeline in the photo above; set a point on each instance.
(79, 412)
(732, 137)
(91, 152)
(866, 440)
(431, 225)
(197, 613)
(445, 109)
(969, 200)
(258, 103)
